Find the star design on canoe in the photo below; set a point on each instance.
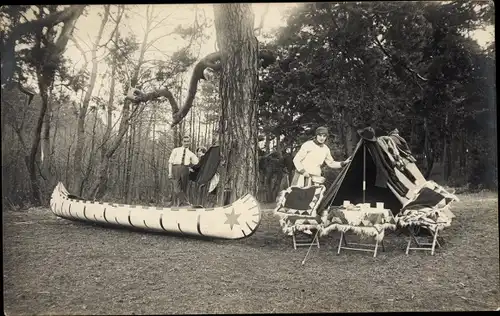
(232, 218)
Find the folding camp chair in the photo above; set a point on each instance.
(426, 246)
(297, 210)
(430, 210)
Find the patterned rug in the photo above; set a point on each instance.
(297, 207)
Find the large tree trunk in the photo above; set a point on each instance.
(45, 77)
(234, 23)
(55, 166)
(32, 157)
(67, 164)
(3, 121)
(91, 157)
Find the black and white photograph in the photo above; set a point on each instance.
(257, 157)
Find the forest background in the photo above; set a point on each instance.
(421, 67)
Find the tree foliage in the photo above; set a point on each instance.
(385, 64)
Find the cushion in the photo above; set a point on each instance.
(300, 201)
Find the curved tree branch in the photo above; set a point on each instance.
(47, 21)
(211, 61)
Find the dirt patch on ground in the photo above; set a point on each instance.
(56, 266)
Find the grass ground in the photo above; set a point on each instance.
(56, 266)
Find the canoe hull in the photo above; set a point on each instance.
(235, 221)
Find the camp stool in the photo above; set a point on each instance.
(366, 247)
(307, 220)
(422, 245)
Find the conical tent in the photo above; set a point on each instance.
(374, 175)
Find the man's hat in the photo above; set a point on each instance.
(368, 133)
(321, 130)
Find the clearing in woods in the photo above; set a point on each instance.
(56, 266)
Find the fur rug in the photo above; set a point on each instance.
(365, 222)
(433, 216)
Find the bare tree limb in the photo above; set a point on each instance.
(81, 40)
(8, 53)
(258, 29)
(160, 22)
(121, 11)
(154, 40)
(47, 21)
(211, 61)
(79, 47)
(398, 62)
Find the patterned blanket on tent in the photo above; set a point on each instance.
(430, 207)
(297, 208)
(360, 219)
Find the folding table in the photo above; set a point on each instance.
(362, 220)
(370, 247)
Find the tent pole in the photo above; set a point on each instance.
(364, 172)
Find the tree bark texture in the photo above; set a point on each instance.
(238, 45)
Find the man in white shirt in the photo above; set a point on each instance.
(311, 156)
(181, 159)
